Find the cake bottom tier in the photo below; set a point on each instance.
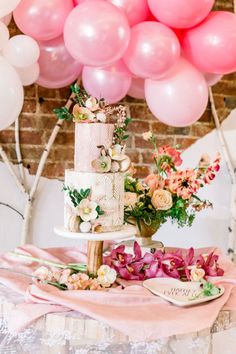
(93, 201)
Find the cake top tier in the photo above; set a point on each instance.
(100, 133)
(88, 109)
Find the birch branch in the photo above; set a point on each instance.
(12, 208)
(231, 170)
(29, 204)
(18, 153)
(11, 170)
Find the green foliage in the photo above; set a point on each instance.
(120, 134)
(63, 113)
(99, 211)
(77, 196)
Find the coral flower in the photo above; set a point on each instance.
(173, 153)
(184, 183)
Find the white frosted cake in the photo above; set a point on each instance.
(94, 189)
(107, 191)
(90, 136)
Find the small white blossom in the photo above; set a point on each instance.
(106, 276)
(87, 210)
(147, 135)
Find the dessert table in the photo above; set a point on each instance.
(74, 333)
(42, 319)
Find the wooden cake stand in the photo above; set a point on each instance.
(95, 242)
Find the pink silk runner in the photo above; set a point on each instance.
(132, 310)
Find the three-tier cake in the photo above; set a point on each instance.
(94, 189)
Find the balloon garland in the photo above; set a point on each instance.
(164, 51)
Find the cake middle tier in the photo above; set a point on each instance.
(103, 205)
(88, 136)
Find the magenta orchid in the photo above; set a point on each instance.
(158, 264)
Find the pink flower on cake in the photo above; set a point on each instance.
(87, 210)
(82, 114)
(184, 183)
(92, 104)
(154, 182)
(162, 199)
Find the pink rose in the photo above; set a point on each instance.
(162, 199)
(154, 182)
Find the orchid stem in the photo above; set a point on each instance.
(43, 261)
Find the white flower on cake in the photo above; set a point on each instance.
(85, 226)
(92, 104)
(147, 136)
(101, 117)
(87, 210)
(130, 199)
(102, 164)
(82, 114)
(117, 152)
(125, 164)
(106, 276)
(115, 166)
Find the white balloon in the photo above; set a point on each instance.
(7, 6)
(28, 75)
(11, 94)
(6, 19)
(4, 35)
(21, 51)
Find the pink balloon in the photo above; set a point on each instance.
(96, 33)
(211, 46)
(44, 19)
(180, 13)
(135, 10)
(180, 98)
(137, 88)
(57, 67)
(111, 83)
(212, 79)
(152, 51)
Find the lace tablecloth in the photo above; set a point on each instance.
(73, 333)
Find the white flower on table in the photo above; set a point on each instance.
(87, 210)
(106, 276)
(197, 274)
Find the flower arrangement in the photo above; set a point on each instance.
(69, 279)
(85, 211)
(153, 265)
(72, 276)
(169, 193)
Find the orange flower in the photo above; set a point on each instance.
(184, 183)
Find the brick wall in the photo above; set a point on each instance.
(37, 122)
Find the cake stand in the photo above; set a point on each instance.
(95, 242)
